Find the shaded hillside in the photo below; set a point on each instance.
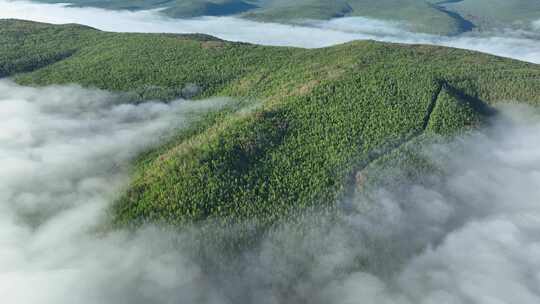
(316, 116)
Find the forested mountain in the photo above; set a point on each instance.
(306, 121)
(430, 16)
(486, 14)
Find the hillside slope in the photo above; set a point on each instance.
(315, 118)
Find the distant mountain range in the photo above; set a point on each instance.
(445, 17)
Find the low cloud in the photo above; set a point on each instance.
(475, 231)
(63, 153)
(536, 25)
(513, 44)
(469, 237)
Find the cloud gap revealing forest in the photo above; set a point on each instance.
(185, 168)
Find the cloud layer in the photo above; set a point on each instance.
(62, 152)
(469, 237)
(478, 228)
(518, 45)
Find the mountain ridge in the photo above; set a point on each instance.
(317, 116)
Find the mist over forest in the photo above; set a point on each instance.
(149, 156)
(507, 42)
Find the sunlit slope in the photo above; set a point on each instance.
(312, 118)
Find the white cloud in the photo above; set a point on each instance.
(536, 25)
(317, 34)
(62, 150)
(471, 237)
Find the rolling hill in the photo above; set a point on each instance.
(307, 122)
(487, 14)
(429, 16)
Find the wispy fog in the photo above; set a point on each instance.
(471, 237)
(536, 25)
(514, 44)
(63, 152)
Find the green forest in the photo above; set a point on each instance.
(307, 121)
